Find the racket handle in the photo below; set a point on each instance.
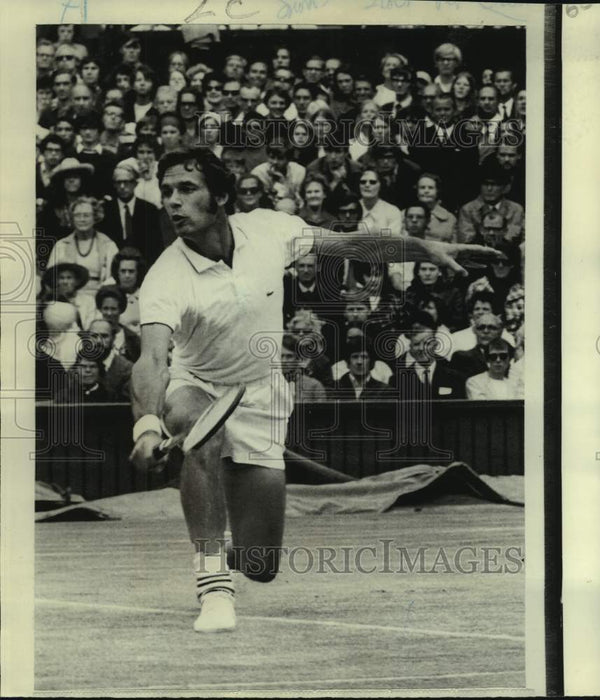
(163, 449)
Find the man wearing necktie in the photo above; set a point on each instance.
(505, 85)
(130, 220)
(421, 374)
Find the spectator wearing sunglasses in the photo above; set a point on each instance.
(496, 383)
(488, 328)
(250, 194)
(380, 217)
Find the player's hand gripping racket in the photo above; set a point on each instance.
(211, 419)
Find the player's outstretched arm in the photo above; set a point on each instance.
(149, 379)
(403, 249)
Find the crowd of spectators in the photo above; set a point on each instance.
(431, 151)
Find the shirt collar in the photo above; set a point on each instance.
(200, 263)
(304, 288)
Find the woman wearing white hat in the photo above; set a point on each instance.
(86, 246)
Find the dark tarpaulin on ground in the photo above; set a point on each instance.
(417, 485)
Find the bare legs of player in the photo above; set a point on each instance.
(255, 498)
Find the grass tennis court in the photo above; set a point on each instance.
(115, 608)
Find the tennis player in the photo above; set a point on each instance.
(216, 293)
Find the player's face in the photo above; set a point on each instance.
(359, 364)
(127, 275)
(110, 310)
(187, 201)
(66, 283)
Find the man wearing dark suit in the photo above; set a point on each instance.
(357, 384)
(449, 149)
(117, 368)
(420, 374)
(468, 363)
(303, 291)
(129, 220)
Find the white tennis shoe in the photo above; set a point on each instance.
(217, 613)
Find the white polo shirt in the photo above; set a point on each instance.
(227, 322)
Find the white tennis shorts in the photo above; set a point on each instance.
(255, 432)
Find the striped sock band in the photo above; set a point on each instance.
(212, 574)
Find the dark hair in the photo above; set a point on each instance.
(422, 318)
(420, 205)
(52, 138)
(432, 176)
(358, 344)
(290, 342)
(149, 74)
(121, 69)
(111, 292)
(171, 117)
(187, 91)
(43, 83)
(146, 120)
(112, 103)
(310, 179)
(279, 146)
(89, 121)
(277, 92)
(442, 310)
(62, 71)
(485, 297)
(248, 175)
(92, 59)
(344, 198)
(218, 180)
(499, 344)
(305, 86)
(129, 253)
(217, 77)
